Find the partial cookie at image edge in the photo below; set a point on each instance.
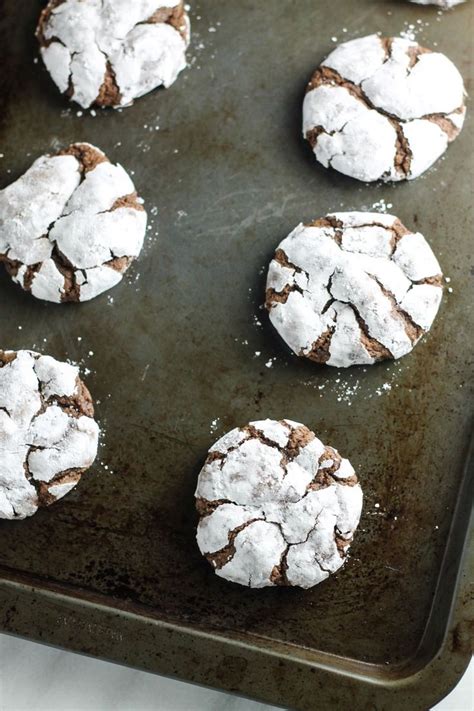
(48, 434)
(71, 225)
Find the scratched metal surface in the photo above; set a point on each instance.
(174, 360)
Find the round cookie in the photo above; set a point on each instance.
(276, 506)
(445, 4)
(71, 225)
(48, 436)
(383, 108)
(110, 52)
(353, 288)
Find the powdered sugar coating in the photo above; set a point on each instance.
(110, 52)
(380, 108)
(48, 436)
(70, 226)
(446, 4)
(353, 288)
(277, 506)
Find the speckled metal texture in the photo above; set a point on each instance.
(181, 351)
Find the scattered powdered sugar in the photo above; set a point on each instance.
(152, 233)
(350, 387)
(377, 512)
(214, 425)
(381, 206)
(384, 387)
(411, 30)
(202, 39)
(143, 146)
(416, 30)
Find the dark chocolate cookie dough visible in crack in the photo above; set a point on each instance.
(109, 53)
(353, 288)
(276, 506)
(382, 108)
(71, 225)
(48, 437)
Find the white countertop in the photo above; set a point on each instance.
(34, 677)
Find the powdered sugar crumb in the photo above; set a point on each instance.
(381, 206)
(410, 30)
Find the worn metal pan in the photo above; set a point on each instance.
(113, 569)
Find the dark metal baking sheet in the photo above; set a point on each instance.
(113, 569)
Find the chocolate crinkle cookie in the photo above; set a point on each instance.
(110, 52)
(383, 108)
(48, 436)
(71, 225)
(276, 506)
(353, 288)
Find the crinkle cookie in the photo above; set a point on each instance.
(71, 225)
(276, 506)
(353, 288)
(381, 108)
(446, 4)
(110, 52)
(48, 436)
